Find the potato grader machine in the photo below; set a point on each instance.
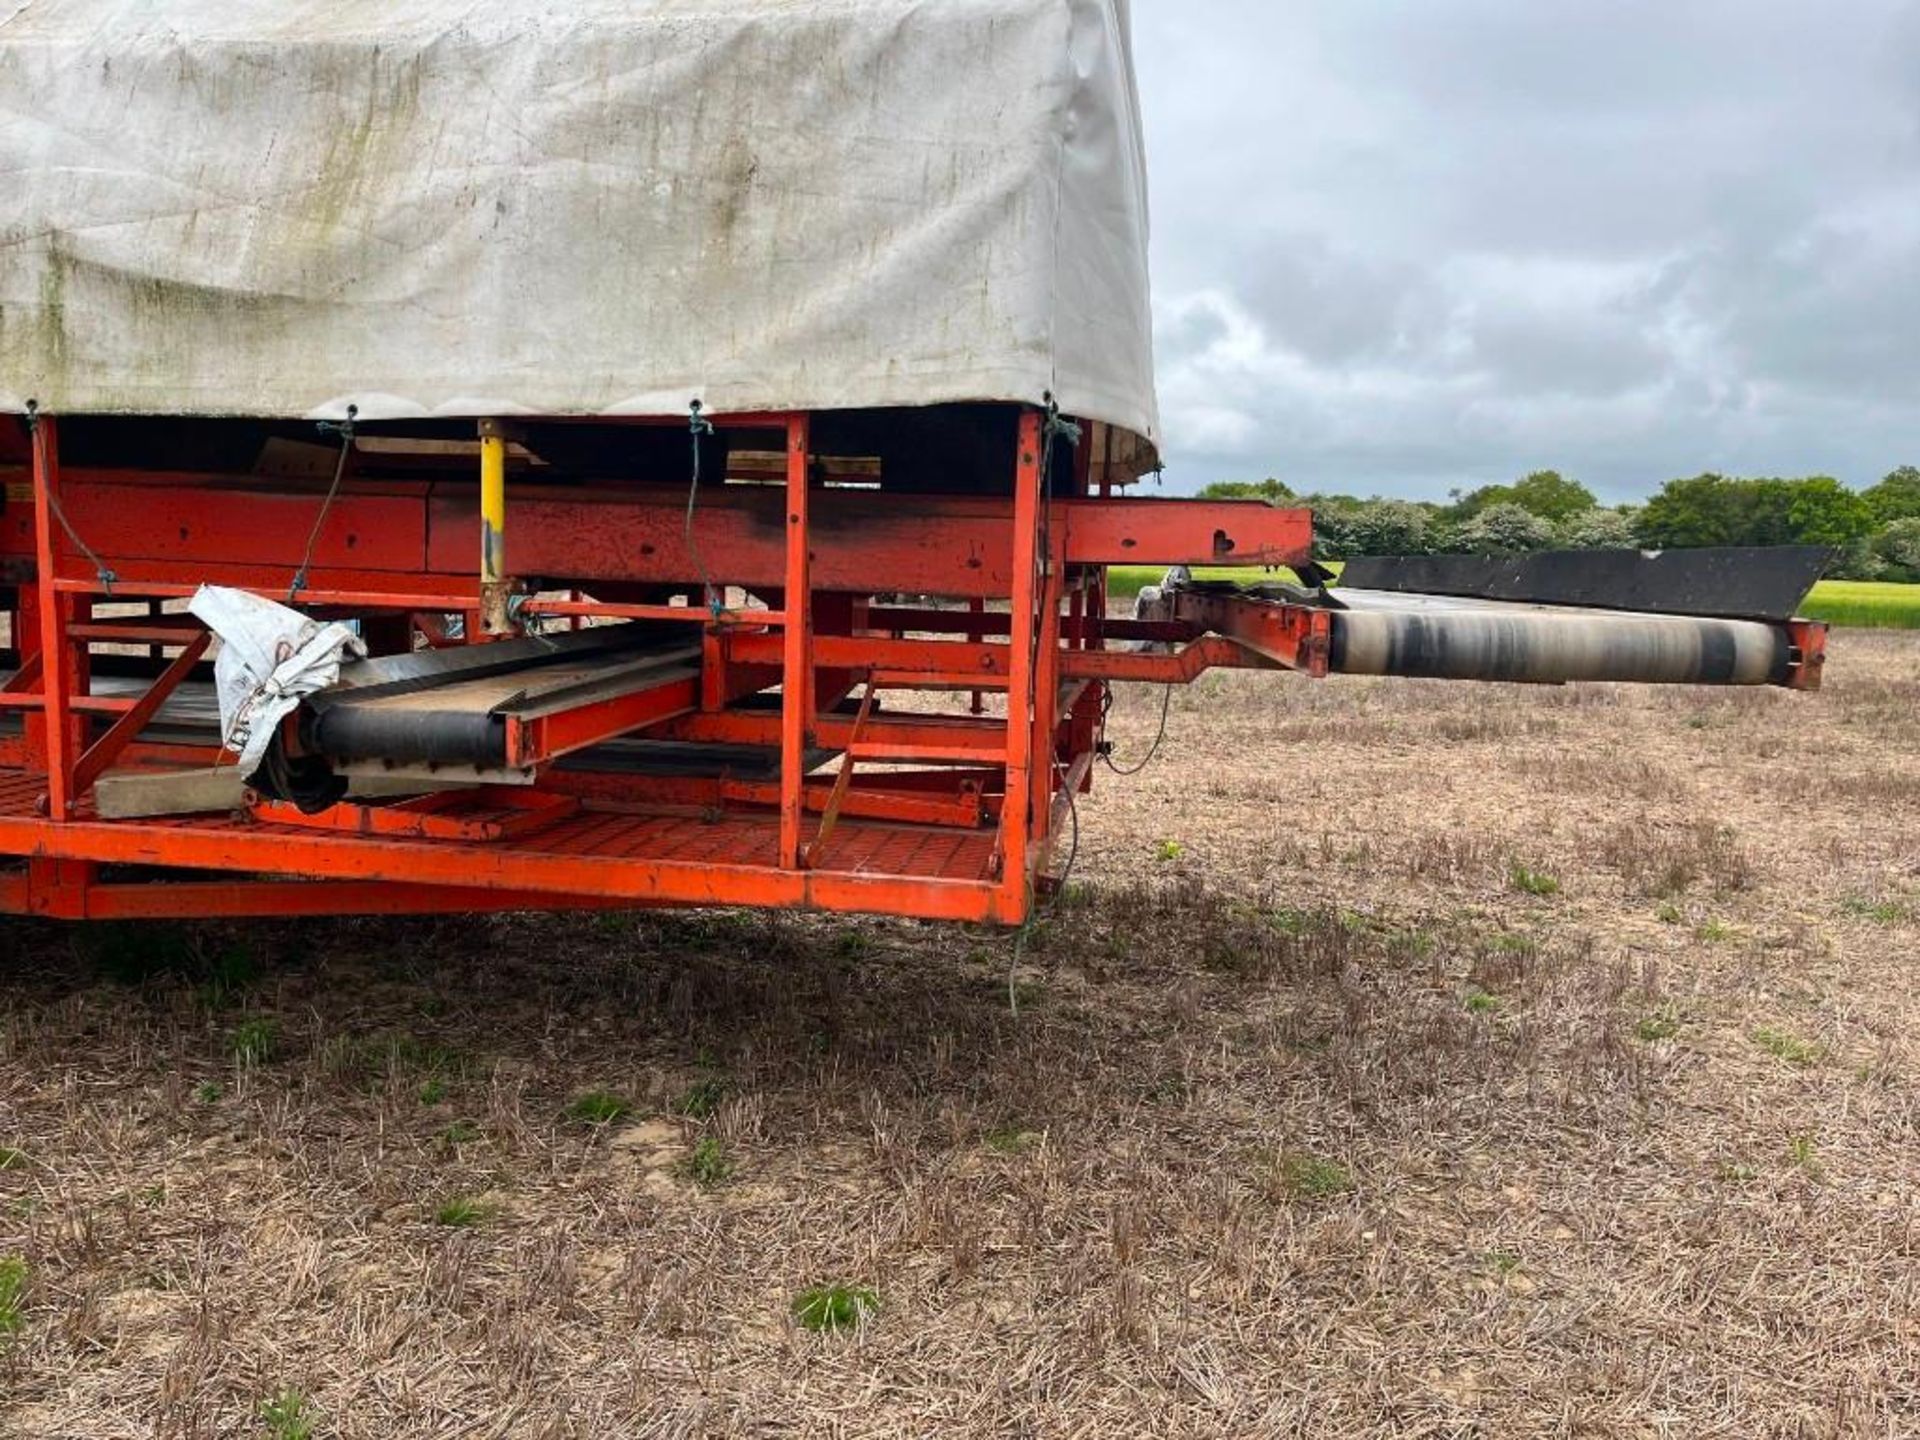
(468, 456)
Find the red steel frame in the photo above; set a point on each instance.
(948, 814)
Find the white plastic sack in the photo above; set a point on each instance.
(1147, 606)
(269, 658)
(491, 207)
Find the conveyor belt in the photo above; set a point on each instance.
(1461, 637)
(191, 716)
(452, 707)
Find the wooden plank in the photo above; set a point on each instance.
(134, 794)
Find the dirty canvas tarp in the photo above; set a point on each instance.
(279, 207)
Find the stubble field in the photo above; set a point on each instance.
(1401, 1059)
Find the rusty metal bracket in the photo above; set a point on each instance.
(1296, 636)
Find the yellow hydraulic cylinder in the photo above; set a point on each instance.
(494, 586)
(493, 507)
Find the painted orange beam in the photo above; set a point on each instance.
(158, 530)
(190, 518)
(272, 850)
(1175, 667)
(976, 623)
(796, 645)
(546, 737)
(59, 673)
(861, 541)
(1017, 823)
(985, 740)
(956, 808)
(855, 652)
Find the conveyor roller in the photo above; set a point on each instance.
(1453, 638)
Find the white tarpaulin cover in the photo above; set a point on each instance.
(468, 207)
(269, 658)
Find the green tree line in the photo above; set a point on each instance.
(1874, 532)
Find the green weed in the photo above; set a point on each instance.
(703, 1097)
(370, 1062)
(1076, 895)
(1881, 912)
(1479, 1002)
(1309, 1177)
(459, 1132)
(835, 1307)
(253, 1042)
(408, 1052)
(12, 1157)
(1786, 1046)
(709, 1165)
(288, 1416)
(208, 1091)
(1169, 850)
(1287, 921)
(461, 1211)
(13, 1294)
(598, 1107)
(1532, 882)
(1663, 1026)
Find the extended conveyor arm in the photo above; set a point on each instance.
(1472, 637)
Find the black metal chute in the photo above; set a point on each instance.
(1765, 582)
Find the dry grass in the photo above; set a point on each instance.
(1317, 1124)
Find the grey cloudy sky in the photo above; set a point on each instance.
(1407, 245)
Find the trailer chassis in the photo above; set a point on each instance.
(949, 812)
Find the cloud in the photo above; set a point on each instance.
(1407, 248)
